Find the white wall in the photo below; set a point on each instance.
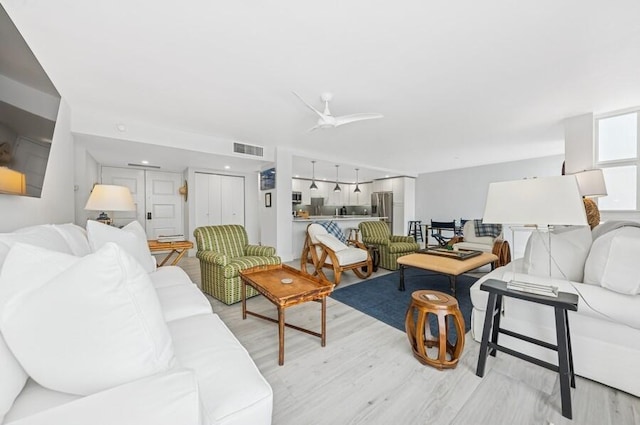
(87, 173)
(57, 202)
(461, 193)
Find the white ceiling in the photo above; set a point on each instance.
(459, 83)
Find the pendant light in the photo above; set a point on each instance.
(357, 189)
(337, 188)
(313, 176)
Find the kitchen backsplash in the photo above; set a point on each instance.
(331, 209)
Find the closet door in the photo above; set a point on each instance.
(232, 200)
(218, 199)
(134, 180)
(164, 204)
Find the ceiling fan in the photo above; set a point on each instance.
(327, 120)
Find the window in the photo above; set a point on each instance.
(617, 155)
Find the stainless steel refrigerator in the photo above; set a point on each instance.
(382, 206)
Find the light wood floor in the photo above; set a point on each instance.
(367, 375)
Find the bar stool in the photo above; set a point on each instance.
(427, 302)
(354, 234)
(415, 230)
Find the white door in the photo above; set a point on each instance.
(219, 199)
(232, 200)
(134, 180)
(155, 193)
(164, 204)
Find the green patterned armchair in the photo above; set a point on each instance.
(391, 247)
(223, 251)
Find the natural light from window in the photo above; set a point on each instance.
(617, 155)
(618, 137)
(621, 188)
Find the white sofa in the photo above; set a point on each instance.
(605, 273)
(211, 378)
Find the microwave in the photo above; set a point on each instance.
(296, 197)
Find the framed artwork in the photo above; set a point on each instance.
(267, 199)
(268, 179)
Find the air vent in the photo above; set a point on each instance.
(248, 149)
(143, 165)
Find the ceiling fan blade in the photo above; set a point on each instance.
(315, 127)
(320, 114)
(346, 119)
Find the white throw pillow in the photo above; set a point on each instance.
(82, 325)
(331, 242)
(13, 378)
(613, 262)
(569, 249)
(76, 238)
(132, 238)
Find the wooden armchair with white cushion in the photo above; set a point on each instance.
(323, 250)
(495, 245)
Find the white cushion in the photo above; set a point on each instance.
(162, 399)
(613, 261)
(81, 325)
(179, 301)
(331, 242)
(13, 378)
(35, 398)
(169, 276)
(469, 235)
(314, 229)
(44, 235)
(569, 249)
(350, 255)
(76, 238)
(473, 246)
(232, 389)
(132, 238)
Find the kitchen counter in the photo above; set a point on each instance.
(338, 218)
(345, 222)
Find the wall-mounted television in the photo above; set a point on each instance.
(268, 179)
(29, 105)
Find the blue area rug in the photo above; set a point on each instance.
(379, 297)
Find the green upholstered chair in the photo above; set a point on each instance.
(391, 247)
(223, 251)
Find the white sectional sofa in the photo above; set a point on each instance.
(202, 375)
(602, 267)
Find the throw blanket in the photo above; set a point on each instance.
(333, 229)
(608, 226)
(493, 230)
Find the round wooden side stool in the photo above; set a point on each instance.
(424, 303)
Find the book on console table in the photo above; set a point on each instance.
(533, 288)
(460, 254)
(171, 238)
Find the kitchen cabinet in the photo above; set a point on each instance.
(383, 185)
(364, 197)
(302, 186)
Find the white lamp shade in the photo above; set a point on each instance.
(591, 183)
(105, 197)
(540, 201)
(12, 182)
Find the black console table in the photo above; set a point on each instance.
(564, 302)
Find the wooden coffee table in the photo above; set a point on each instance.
(451, 267)
(267, 280)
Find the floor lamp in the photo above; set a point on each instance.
(537, 204)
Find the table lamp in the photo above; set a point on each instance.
(591, 184)
(536, 203)
(105, 197)
(12, 182)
